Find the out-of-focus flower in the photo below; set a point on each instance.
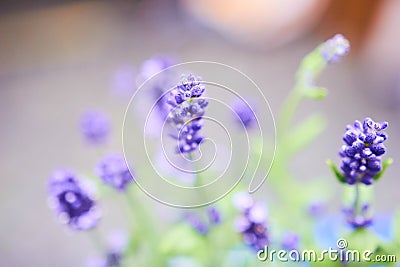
(95, 127)
(252, 223)
(358, 219)
(315, 209)
(362, 151)
(71, 200)
(243, 201)
(244, 113)
(187, 109)
(290, 241)
(123, 81)
(197, 223)
(157, 81)
(200, 224)
(114, 171)
(214, 215)
(156, 64)
(335, 49)
(117, 242)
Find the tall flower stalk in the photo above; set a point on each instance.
(361, 165)
(291, 139)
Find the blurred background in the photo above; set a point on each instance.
(59, 58)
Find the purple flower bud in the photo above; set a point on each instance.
(199, 225)
(95, 127)
(244, 113)
(378, 149)
(114, 171)
(214, 215)
(335, 49)
(349, 137)
(156, 64)
(71, 200)
(362, 151)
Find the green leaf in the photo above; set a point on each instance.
(183, 240)
(340, 177)
(385, 164)
(303, 134)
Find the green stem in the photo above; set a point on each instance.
(149, 230)
(196, 175)
(288, 111)
(356, 203)
(212, 258)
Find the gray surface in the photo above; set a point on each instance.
(56, 62)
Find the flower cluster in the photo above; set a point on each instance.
(252, 223)
(114, 171)
(71, 201)
(362, 151)
(95, 127)
(335, 49)
(187, 110)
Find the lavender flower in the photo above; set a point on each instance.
(244, 113)
(252, 223)
(362, 151)
(71, 201)
(156, 64)
(358, 219)
(187, 109)
(203, 226)
(290, 241)
(335, 49)
(114, 171)
(198, 224)
(214, 215)
(95, 127)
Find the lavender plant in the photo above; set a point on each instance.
(233, 231)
